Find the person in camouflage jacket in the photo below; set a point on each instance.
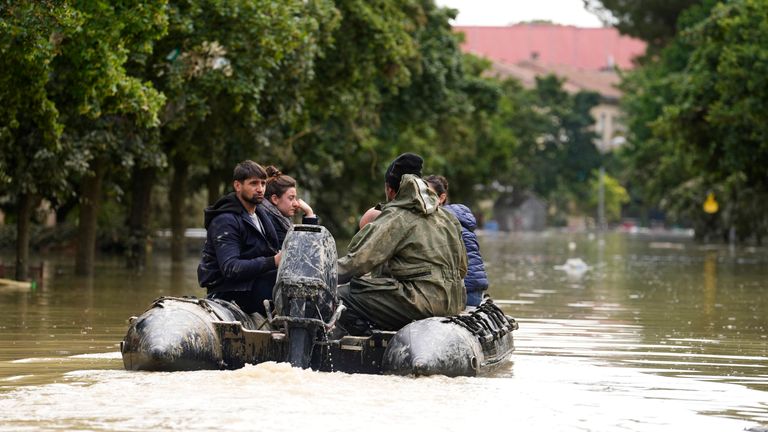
(407, 264)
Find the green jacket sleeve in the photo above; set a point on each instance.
(371, 247)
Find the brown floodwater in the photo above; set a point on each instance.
(634, 333)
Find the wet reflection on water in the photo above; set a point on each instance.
(656, 334)
(676, 307)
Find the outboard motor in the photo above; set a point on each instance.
(306, 299)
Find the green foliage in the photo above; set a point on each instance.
(654, 21)
(647, 91)
(329, 91)
(444, 113)
(615, 196)
(390, 83)
(548, 135)
(63, 77)
(719, 113)
(108, 109)
(91, 79)
(234, 72)
(697, 118)
(30, 123)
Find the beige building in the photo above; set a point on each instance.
(607, 114)
(587, 58)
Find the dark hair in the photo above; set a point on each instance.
(277, 182)
(438, 183)
(248, 169)
(406, 163)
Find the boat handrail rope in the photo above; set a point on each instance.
(158, 302)
(478, 326)
(304, 322)
(203, 303)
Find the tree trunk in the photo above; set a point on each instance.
(213, 183)
(139, 216)
(90, 200)
(176, 196)
(25, 206)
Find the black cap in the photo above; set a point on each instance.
(406, 163)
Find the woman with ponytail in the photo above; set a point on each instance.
(281, 202)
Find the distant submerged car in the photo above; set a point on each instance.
(187, 333)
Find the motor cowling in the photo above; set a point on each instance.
(305, 292)
(307, 272)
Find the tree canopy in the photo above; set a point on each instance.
(695, 117)
(115, 101)
(654, 21)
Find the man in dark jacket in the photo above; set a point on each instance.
(241, 253)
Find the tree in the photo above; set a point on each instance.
(694, 121)
(370, 53)
(654, 21)
(718, 116)
(105, 106)
(394, 80)
(647, 90)
(614, 196)
(554, 148)
(443, 113)
(34, 162)
(328, 91)
(234, 74)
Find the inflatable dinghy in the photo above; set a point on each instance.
(186, 333)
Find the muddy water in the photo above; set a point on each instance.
(655, 334)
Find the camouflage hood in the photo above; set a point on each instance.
(414, 195)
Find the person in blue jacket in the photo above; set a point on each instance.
(476, 280)
(241, 252)
(281, 202)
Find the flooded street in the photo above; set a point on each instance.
(621, 332)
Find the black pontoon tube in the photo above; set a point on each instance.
(469, 344)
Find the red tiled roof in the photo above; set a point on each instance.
(603, 82)
(553, 45)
